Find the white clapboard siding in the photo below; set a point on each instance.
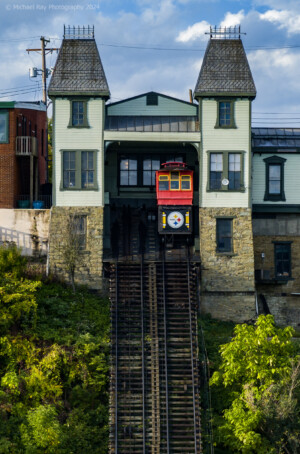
(291, 178)
(222, 139)
(79, 139)
(166, 106)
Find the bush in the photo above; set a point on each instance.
(11, 260)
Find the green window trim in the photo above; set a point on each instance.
(274, 161)
(231, 124)
(282, 260)
(78, 171)
(223, 248)
(225, 171)
(4, 126)
(85, 123)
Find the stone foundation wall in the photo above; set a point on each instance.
(281, 298)
(234, 306)
(89, 265)
(227, 280)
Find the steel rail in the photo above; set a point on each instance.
(143, 354)
(165, 347)
(116, 364)
(192, 349)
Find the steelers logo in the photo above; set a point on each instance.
(175, 220)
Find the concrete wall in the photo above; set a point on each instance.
(28, 229)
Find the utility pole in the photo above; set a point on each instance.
(44, 51)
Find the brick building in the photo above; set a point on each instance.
(23, 153)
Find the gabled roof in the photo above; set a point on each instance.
(225, 70)
(78, 70)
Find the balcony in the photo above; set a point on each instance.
(26, 146)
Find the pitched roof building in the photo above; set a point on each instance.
(225, 69)
(79, 70)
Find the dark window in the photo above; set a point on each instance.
(224, 235)
(4, 127)
(282, 260)
(78, 117)
(80, 230)
(24, 126)
(128, 172)
(77, 113)
(225, 118)
(69, 169)
(152, 99)
(234, 170)
(163, 183)
(149, 169)
(29, 127)
(226, 171)
(216, 170)
(79, 169)
(174, 159)
(87, 169)
(274, 178)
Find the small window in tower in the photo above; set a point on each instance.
(152, 99)
(78, 114)
(224, 235)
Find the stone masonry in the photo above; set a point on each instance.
(282, 298)
(89, 267)
(227, 280)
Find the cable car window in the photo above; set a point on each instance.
(163, 183)
(174, 181)
(128, 172)
(149, 168)
(185, 182)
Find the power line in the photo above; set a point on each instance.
(16, 89)
(19, 93)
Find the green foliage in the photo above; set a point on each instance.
(255, 382)
(11, 260)
(42, 431)
(54, 350)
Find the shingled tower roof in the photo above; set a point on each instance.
(225, 70)
(78, 70)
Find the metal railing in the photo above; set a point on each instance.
(26, 146)
(23, 201)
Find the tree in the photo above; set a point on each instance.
(71, 246)
(258, 382)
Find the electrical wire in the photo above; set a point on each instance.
(15, 89)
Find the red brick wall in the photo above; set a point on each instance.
(12, 167)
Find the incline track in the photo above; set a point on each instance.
(154, 397)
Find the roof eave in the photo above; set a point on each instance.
(222, 94)
(66, 94)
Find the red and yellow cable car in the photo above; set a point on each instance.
(174, 191)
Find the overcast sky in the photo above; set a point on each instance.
(129, 34)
